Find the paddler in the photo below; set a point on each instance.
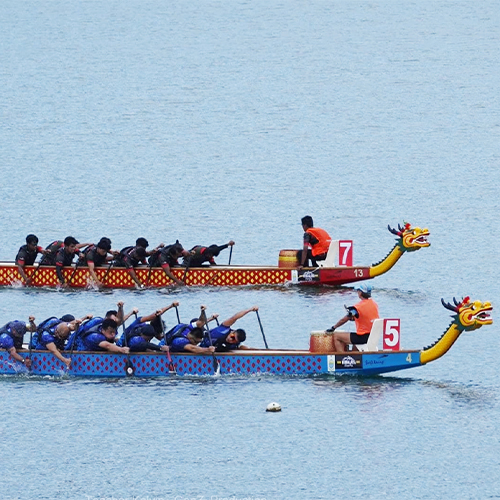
(199, 254)
(97, 256)
(140, 333)
(131, 257)
(102, 338)
(167, 257)
(65, 256)
(316, 243)
(27, 255)
(364, 313)
(224, 338)
(53, 338)
(12, 335)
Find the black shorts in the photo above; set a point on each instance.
(359, 339)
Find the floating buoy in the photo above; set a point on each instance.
(273, 407)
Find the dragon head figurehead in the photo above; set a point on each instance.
(410, 238)
(470, 315)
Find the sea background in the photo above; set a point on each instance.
(206, 121)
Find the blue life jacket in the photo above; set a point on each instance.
(180, 330)
(17, 340)
(48, 325)
(81, 332)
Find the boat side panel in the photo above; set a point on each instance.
(120, 278)
(156, 365)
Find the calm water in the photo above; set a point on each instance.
(210, 121)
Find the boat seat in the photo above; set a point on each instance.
(374, 337)
(332, 257)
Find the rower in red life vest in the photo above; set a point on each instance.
(316, 243)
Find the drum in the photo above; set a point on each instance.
(321, 342)
(288, 259)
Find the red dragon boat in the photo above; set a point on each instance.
(336, 270)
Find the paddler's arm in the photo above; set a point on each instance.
(238, 315)
(113, 347)
(55, 351)
(199, 350)
(158, 312)
(166, 269)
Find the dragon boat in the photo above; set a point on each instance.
(318, 360)
(337, 269)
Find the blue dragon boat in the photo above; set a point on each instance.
(467, 316)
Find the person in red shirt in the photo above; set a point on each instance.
(364, 313)
(316, 243)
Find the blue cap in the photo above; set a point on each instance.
(364, 288)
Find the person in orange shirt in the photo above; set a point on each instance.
(364, 313)
(316, 243)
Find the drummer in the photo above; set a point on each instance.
(364, 313)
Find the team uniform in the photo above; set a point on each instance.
(26, 257)
(165, 257)
(219, 339)
(128, 259)
(90, 254)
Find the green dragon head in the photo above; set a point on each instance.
(410, 238)
(470, 315)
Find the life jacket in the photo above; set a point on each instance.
(82, 330)
(367, 314)
(48, 325)
(49, 259)
(80, 339)
(18, 339)
(178, 331)
(323, 238)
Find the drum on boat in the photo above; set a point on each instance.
(321, 341)
(288, 259)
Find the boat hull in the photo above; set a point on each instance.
(155, 277)
(247, 362)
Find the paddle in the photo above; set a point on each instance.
(33, 275)
(230, 255)
(214, 358)
(177, 312)
(107, 272)
(171, 366)
(73, 274)
(262, 330)
(129, 367)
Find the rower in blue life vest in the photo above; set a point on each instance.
(75, 341)
(134, 256)
(53, 333)
(186, 337)
(27, 255)
(140, 333)
(167, 257)
(199, 254)
(224, 338)
(12, 335)
(102, 338)
(316, 243)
